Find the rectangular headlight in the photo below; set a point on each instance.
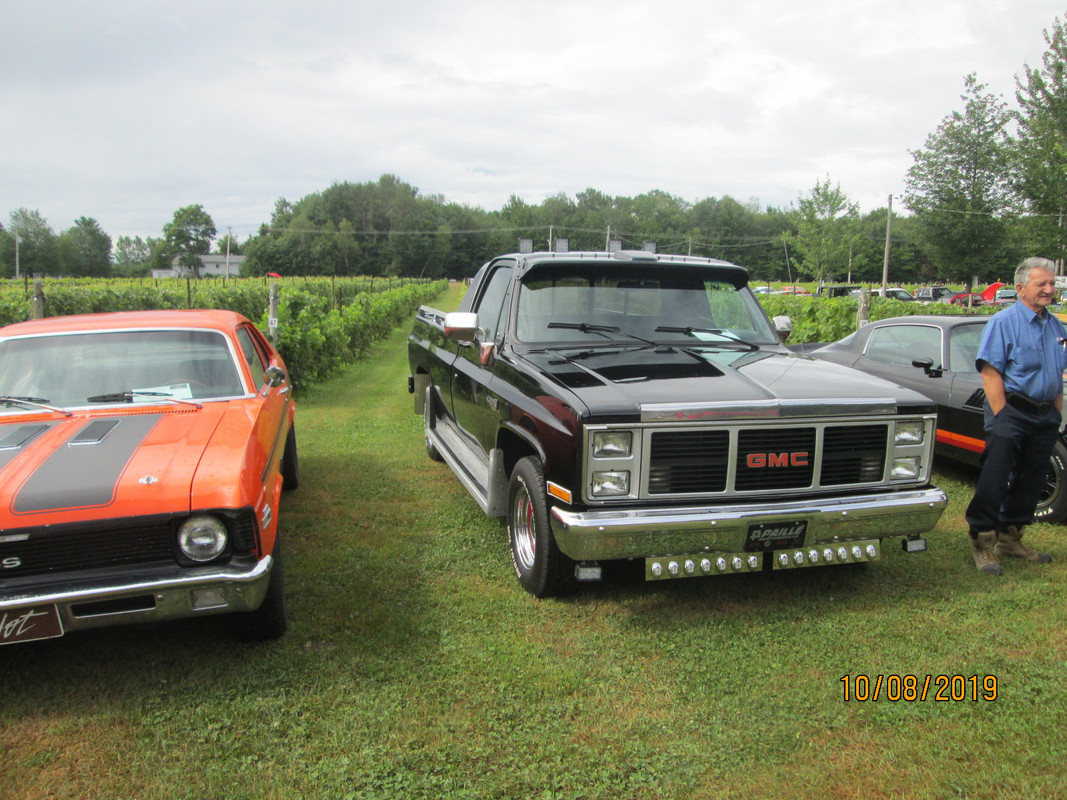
(611, 484)
(612, 444)
(909, 432)
(905, 469)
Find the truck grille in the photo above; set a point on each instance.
(105, 544)
(766, 459)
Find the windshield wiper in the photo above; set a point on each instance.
(690, 331)
(585, 327)
(130, 395)
(33, 402)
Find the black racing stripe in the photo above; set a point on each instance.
(83, 471)
(15, 440)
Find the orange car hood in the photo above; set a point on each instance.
(101, 464)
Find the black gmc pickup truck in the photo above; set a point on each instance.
(629, 405)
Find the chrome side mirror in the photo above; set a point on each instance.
(784, 326)
(461, 326)
(275, 376)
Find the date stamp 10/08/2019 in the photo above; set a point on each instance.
(918, 688)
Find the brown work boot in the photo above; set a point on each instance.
(985, 557)
(1010, 545)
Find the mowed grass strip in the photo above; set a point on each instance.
(416, 667)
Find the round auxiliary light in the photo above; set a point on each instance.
(842, 554)
(672, 568)
(657, 569)
(753, 562)
(798, 558)
(783, 559)
(720, 564)
(690, 567)
(705, 565)
(828, 554)
(872, 551)
(813, 556)
(857, 552)
(737, 563)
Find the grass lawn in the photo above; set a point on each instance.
(416, 667)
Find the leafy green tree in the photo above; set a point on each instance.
(1041, 143)
(659, 217)
(960, 187)
(907, 261)
(189, 236)
(130, 252)
(828, 233)
(229, 244)
(37, 245)
(85, 250)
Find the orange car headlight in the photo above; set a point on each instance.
(202, 538)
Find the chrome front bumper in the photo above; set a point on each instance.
(651, 531)
(146, 597)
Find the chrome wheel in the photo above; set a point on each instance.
(539, 565)
(523, 538)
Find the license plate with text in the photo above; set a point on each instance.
(775, 535)
(30, 624)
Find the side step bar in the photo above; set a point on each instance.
(485, 480)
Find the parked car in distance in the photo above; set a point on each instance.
(142, 459)
(895, 293)
(840, 290)
(892, 292)
(935, 355)
(934, 294)
(1005, 297)
(969, 299)
(792, 290)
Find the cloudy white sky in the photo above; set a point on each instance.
(126, 110)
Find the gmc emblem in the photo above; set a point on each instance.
(764, 460)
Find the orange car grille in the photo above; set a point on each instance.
(105, 544)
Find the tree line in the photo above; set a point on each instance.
(987, 188)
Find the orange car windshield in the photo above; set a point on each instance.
(79, 369)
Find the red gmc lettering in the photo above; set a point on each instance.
(761, 460)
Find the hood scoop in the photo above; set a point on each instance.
(94, 432)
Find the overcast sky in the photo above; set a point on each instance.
(125, 111)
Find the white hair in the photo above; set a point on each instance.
(1022, 273)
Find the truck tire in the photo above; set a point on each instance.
(1052, 506)
(541, 568)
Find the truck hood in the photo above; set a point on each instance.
(702, 383)
(101, 464)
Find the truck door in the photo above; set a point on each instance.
(469, 376)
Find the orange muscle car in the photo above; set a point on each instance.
(142, 459)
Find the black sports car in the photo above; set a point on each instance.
(935, 355)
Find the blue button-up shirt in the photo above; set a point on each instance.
(1027, 349)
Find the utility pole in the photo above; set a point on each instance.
(888, 236)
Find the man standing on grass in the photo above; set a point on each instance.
(1021, 358)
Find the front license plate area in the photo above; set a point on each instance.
(30, 624)
(764, 536)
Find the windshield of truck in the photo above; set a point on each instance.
(586, 303)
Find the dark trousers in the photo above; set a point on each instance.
(1015, 463)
